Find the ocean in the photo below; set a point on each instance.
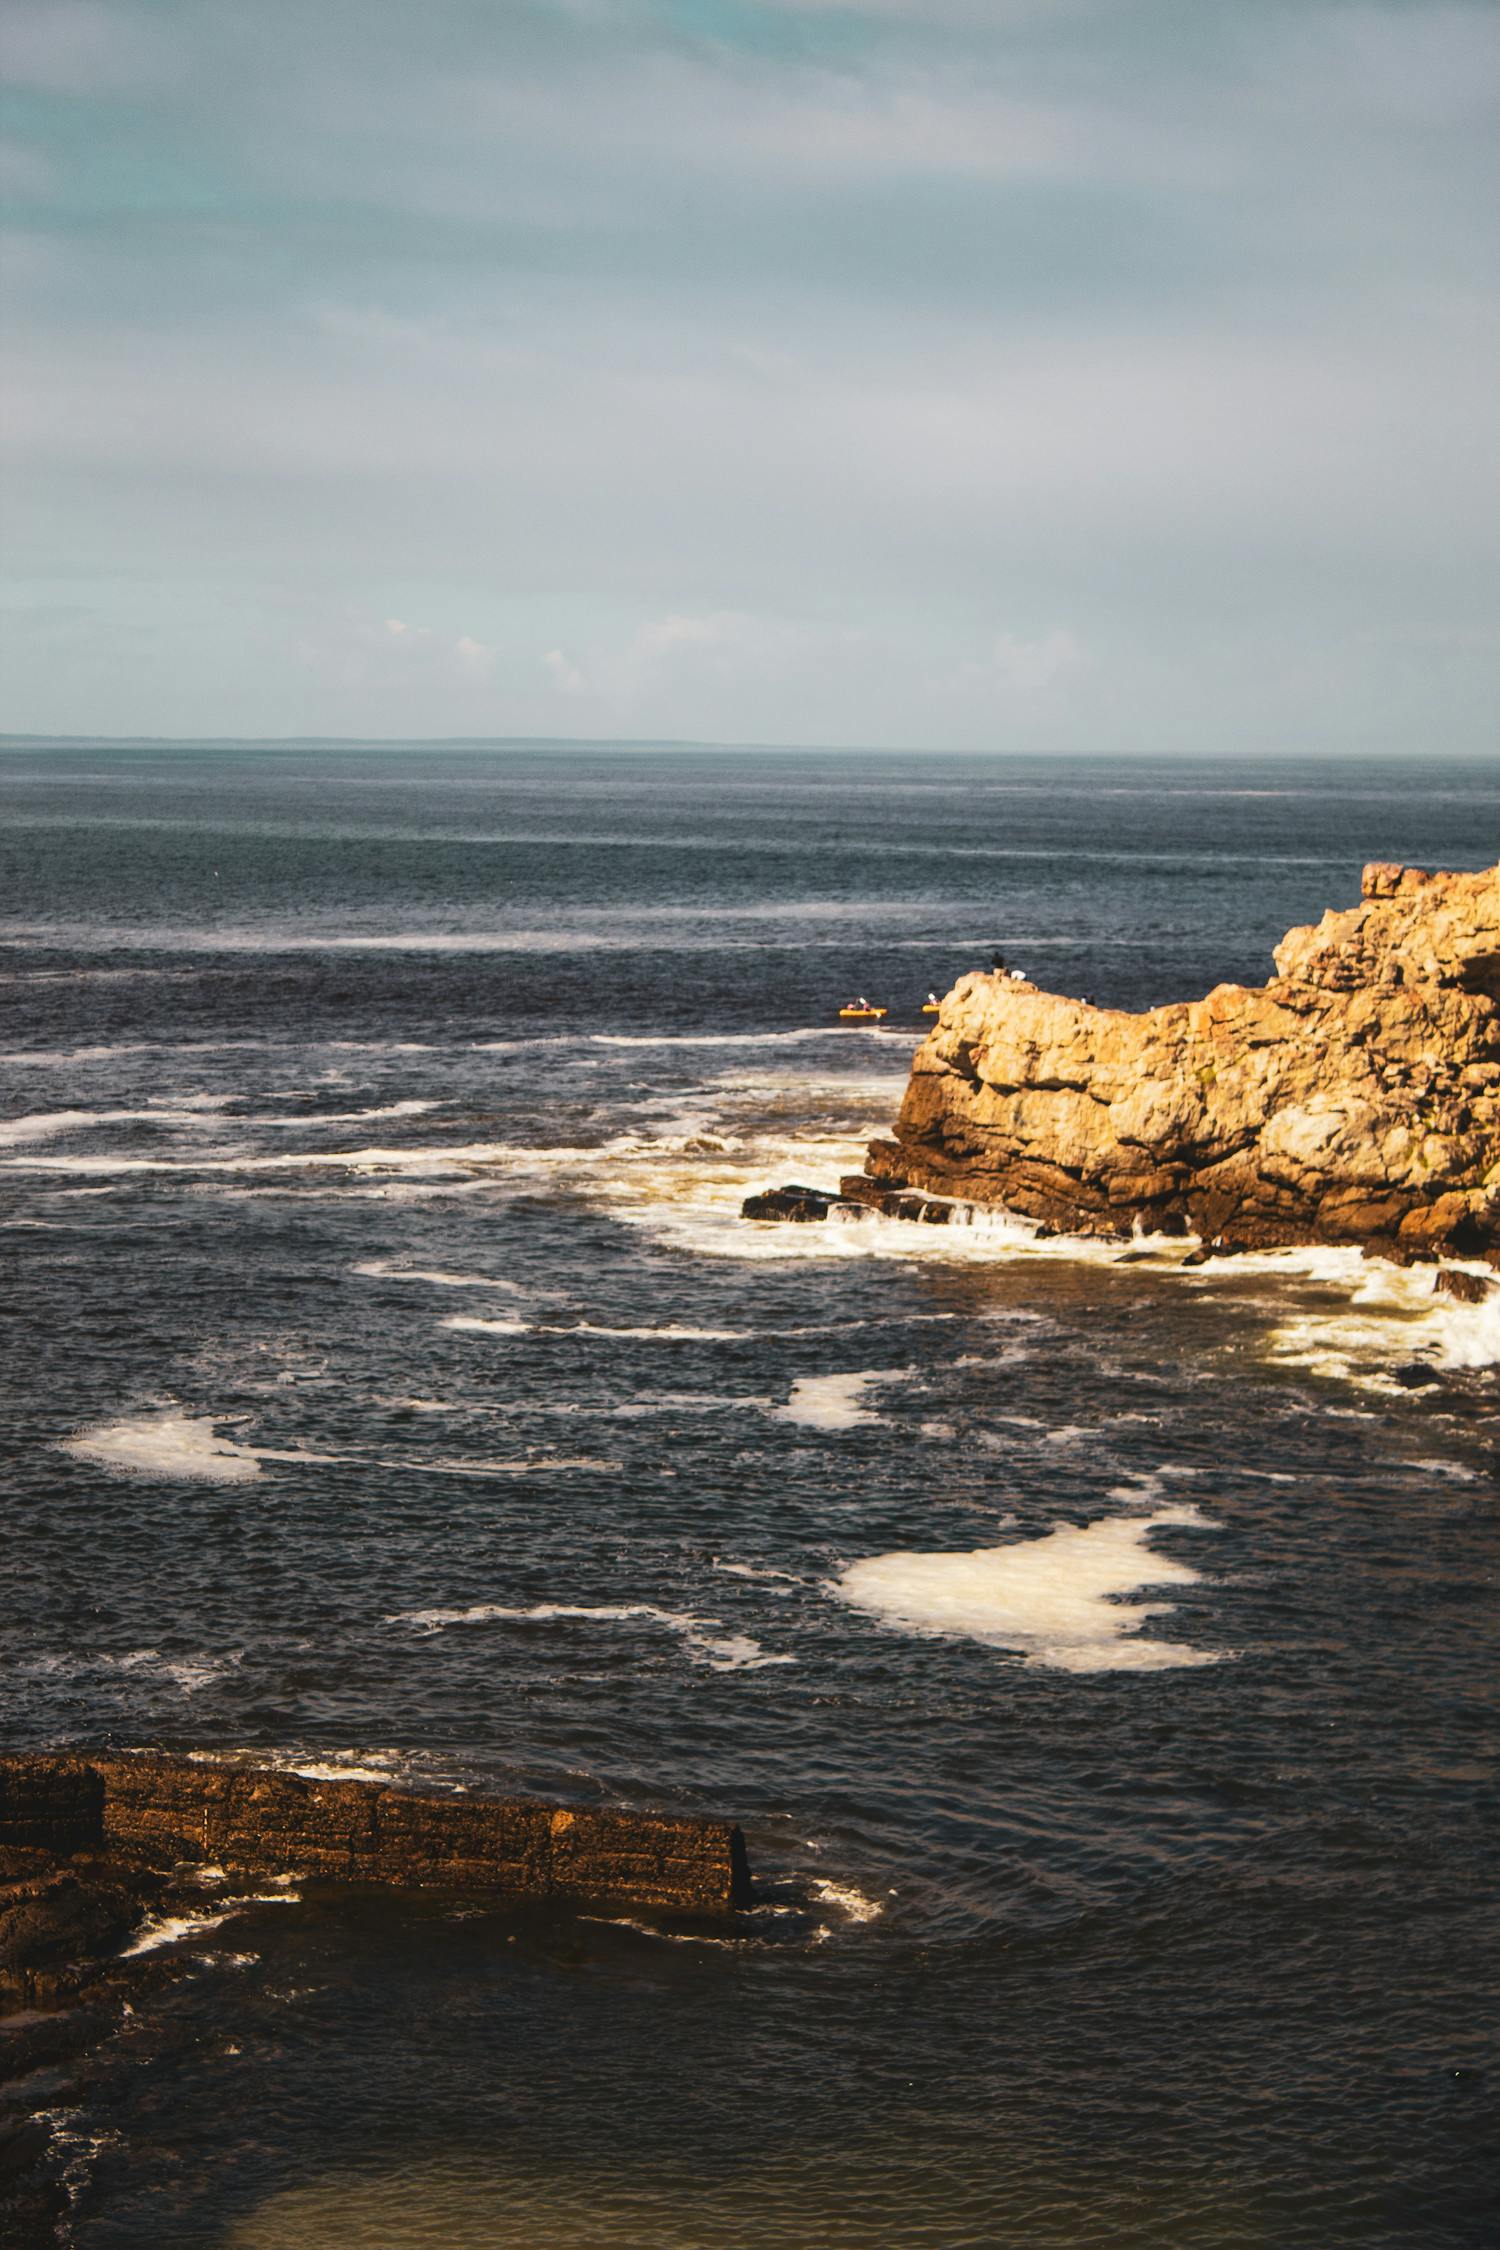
(1100, 1656)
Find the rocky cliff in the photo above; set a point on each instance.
(1355, 1098)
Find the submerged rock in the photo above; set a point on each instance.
(1355, 1098)
(794, 1203)
(1465, 1288)
(857, 1194)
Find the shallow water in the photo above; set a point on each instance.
(1099, 1654)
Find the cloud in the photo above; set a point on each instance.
(1036, 665)
(389, 657)
(82, 47)
(24, 171)
(843, 369)
(565, 673)
(677, 634)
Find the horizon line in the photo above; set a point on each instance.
(30, 739)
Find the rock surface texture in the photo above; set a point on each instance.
(159, 1812)
(1355, 1098)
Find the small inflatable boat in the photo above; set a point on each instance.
(860, 1011)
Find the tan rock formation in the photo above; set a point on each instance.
(1353, 1098)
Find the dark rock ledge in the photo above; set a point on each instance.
(893, 1198)
(90, 1846)
(856, 1193)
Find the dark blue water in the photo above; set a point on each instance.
(396, 1389)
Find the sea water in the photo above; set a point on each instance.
(1099, 1653)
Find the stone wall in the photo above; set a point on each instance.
(158, 1811)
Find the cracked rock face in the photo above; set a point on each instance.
(1355, 1098)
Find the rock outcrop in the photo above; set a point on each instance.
(1355, 1098)
(159, 1812)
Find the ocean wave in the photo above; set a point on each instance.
(188, 1447)
(668, 1332)
(382, 1269)
(185, 1675)
(475, 1325)
(784, 1581)
(800, 1036)
(665, 1937)
(1375, 1316)
(849, 1900)
(495, 1156)
(48, 1124)
(720, 1651)
(160, 1930)
(426, 1157)
(200, 1111)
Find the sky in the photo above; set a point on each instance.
(1043, 375)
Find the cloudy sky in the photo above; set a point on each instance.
(1075, 374)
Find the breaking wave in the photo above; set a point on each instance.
(720, 1651)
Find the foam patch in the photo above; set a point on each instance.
(166, 1445)
(1057, 1601)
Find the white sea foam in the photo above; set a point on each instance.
(382, 1269)
(47, 1124)
(1375, 1316)
(530, 1464)
(533, 1465)
(695, 1207)
(783, 1581)
(426, 1158)
(663, 1937)
(42, 1058)
(176, 1445)
(674, 1402)
(306, 1121)
(166, 1445)
(187, 1674)
(795, 1038)
(832, 1402)
(664, 1332)
(171, 1929)
(851, 1902)
(336, 1769)
(667, 1332)
(1056, 1600)
(368, 1763)
(720, 1651)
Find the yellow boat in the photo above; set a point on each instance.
(932, 1005)
(860, 1011)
